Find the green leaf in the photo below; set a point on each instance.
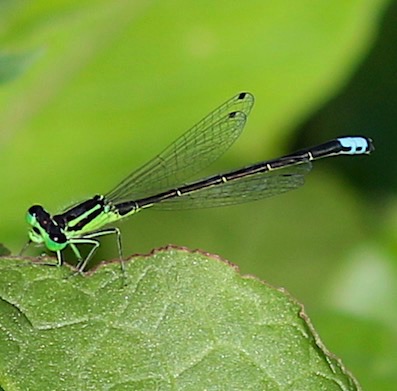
(177, 320)
(118, 81)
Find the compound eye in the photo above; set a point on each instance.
(35, 209)
(59, 238)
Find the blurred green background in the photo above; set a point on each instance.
(92, 89)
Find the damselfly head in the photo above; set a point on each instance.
(44, 230)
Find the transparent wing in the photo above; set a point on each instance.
(189, 154)
(246, 189)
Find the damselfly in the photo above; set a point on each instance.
(161, 183)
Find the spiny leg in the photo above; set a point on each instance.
(90, 239)
(26, 245)
(82, 263)
(77, 251)
(59, 258)
(58, 254)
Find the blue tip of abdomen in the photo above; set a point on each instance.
(356, 145)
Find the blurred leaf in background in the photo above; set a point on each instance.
(361, 295)
(116, 82)
(12, 65)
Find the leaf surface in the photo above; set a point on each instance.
(176, 320)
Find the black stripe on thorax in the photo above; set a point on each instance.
(81, 214)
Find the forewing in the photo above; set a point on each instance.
(196, 149)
